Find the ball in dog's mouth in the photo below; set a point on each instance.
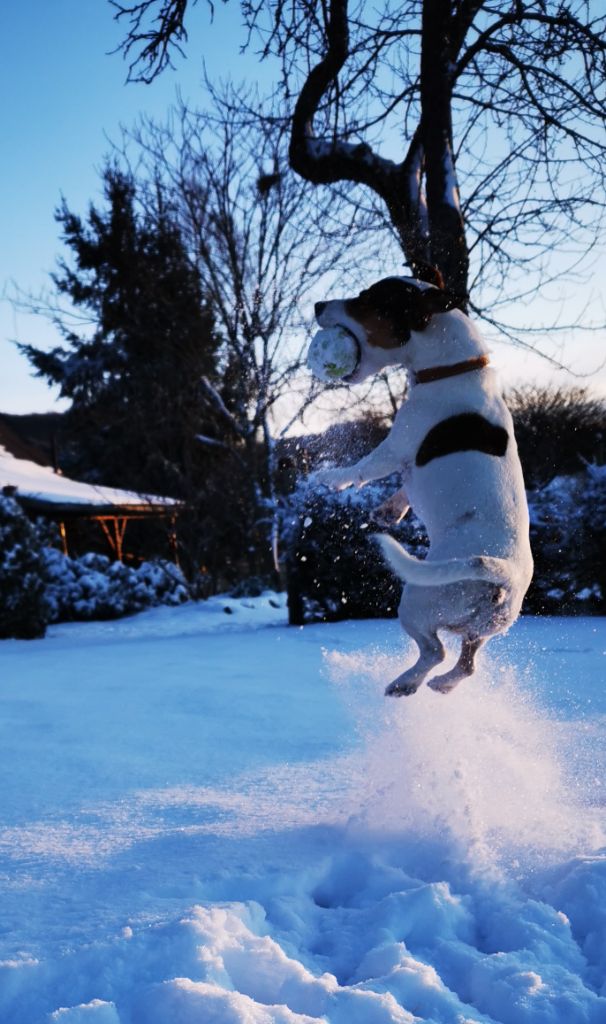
(333, 354)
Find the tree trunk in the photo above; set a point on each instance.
(430, 229)
(447, 230)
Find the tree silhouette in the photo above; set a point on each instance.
(138, 335)
(261, 250)
(494, 113)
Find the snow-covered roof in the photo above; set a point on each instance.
(40, 487)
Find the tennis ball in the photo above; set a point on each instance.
(333, 354)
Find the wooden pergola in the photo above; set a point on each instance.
(112, 518)
(42, 491)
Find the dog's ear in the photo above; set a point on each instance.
(401, 306)
(431, 301)
(428, 273)
(390, 301)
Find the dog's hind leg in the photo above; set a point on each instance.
(464, 667)
(431, 653)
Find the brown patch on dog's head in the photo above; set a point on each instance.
(428, 273)
(390, 309)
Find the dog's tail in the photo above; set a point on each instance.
(432, 574)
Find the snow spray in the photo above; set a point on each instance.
(478, 776)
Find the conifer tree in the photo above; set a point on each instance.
(137, 338)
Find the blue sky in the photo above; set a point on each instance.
(64, 97)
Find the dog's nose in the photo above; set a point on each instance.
(319, 308)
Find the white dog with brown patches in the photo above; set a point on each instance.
(453, 442)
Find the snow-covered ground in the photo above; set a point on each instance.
(206, 821)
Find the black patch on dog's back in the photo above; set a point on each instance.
(463, 433)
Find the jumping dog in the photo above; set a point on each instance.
(453, 442)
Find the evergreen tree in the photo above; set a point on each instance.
(134, 378)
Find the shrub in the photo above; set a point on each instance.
(39, 584)
(567, 529)
(24, 611)
(334, 570)
(558, 429)
(93, 587)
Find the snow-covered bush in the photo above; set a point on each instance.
(334, 570)
(558, 429)
(24, 611)
(567, 531)
(39, 584)
(93, 587)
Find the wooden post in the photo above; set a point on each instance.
(172, 541)
(63, 535)
(115, 537)
(120, 527)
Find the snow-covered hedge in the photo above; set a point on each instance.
(334, 571)
(333, 567)
(23, 608)
(567, 532)
(93, 587)
(38, 584)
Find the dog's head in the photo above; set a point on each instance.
(382, 318)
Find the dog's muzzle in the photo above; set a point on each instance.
(334, 354)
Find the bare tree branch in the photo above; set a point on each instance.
(473, 131)
(152, 36)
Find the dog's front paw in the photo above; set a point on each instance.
(335, 479)
(389, 514)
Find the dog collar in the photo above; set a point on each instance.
(440, 372)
